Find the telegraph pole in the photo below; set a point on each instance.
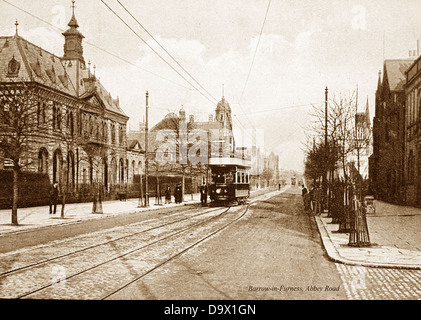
(326, 153)
(146, 153)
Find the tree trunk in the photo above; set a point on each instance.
(15, 196)
(64, 189)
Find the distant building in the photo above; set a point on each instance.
(364, 141)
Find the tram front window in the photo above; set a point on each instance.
(219, 178)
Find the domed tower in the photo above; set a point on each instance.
(182, 114)
(73, 49)
(223, 113)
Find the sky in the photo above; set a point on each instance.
(304, 47)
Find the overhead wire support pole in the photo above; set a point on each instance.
(146, 153)
(326, 152)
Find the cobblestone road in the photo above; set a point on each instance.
(91, 284)
(363, 283)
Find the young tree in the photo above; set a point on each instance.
(18, 125)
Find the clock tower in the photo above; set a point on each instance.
(73, 49)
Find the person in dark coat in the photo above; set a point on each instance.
(178, 193)
(168, 195)
(203, 194)
(53, 198)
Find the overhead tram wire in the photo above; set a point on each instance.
(97, 47)
(281, 108)
(169, 54)
(162, 58)
(254, 57)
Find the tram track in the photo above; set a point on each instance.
(38, 263)
(135, 254)
(45, 264)
(120, 288)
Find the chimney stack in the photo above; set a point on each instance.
(210, 118)
(191, 118)
(418, 48)
(410, 53)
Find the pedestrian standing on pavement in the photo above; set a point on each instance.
(53, 198)
(203, 194)
(318, 201)
(305, 195)
(311, 194)
(168, 195)
(178, 193)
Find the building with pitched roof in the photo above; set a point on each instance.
(387, 161)
(79, 135)
(178, 146)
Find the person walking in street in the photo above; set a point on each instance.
(178, 193)
(168, 195)
(203, 194)
(53, 198)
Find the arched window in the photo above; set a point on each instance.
(57, 164)
(127, 170)
(133, 169)
(105, 173)
(91, 171)
(43, 160)
(91, 126)
(58, 111)
(70, 123)
(104, 132)
(120, 135)
(39, 112)
(112, 133)
(54, 115)
(71, 169)
(121, 170)
(140, 167)
(113, 171)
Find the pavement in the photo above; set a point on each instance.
(394, 233)
(39, 217)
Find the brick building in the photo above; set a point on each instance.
(387, 160)
(412, 156)
(79, 129)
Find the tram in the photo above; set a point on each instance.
(229, 181)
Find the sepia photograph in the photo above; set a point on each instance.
(210, 155)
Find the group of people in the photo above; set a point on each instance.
(178, 194)
(313, 199)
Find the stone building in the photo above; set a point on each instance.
(79, 134)
(173, 139)
(412, 155)
(387, 161)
